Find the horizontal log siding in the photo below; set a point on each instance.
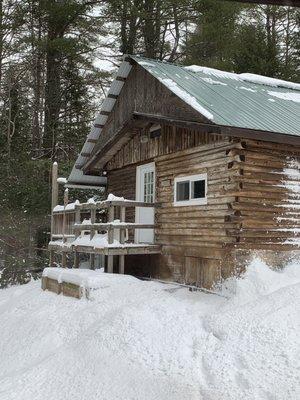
(197, 240)
(202, 244)
(264, 206)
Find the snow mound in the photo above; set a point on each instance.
(146, 340)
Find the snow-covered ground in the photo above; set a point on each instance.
(146, 340)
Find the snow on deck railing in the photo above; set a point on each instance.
(94, 235)
(103, 204)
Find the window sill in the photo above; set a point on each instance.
(185, 203)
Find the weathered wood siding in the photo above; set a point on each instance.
(192, 238)
(171, 140)
(267, 206)
(253, 203)
(121, 183)
(143, 93)
(195, 239)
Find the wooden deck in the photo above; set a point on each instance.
(97, 228)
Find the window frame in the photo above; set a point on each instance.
(190, 202)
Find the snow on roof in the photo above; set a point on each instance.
(286, 96)
(247, 77)
(264, 80)
(218, 94)
(212, 71)
(185, 96)
(215, 94)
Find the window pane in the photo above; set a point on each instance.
(183, 191)
(198, 189)
(149, 187)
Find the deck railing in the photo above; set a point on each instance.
(77, 220)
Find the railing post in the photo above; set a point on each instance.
(54, 201)
(77, 221)
(64, 255)
(122, 239)
(110, 238)
(92, 233)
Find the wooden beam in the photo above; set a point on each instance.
(107, 203)
(99, 125)
(120, 78)
(122, 240)
(223, 130)
(122, 136)
(54, 201)
(104, 226)
(94, 141)
(110, 237)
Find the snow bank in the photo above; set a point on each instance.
(84, 278)
(145, 340)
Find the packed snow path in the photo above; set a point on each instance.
(139, 340)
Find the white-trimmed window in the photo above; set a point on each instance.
(190, 190)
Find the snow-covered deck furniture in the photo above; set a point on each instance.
(71, 282)
(75, 230)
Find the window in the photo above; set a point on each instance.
(155, 131)
(190, 190)
(149, 187)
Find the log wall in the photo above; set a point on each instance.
(253, 202)
(267, 206)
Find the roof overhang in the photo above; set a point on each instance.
(137, 120)
(95, 155)
(78, 175)
(223, 130)
(78, 180)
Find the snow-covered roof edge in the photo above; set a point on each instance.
(246, 77)
(77, 176)
(116, 88)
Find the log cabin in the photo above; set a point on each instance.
(201, 172)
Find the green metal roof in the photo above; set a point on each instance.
(237, 100)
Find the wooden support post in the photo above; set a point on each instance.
(77, 221)
(64, 259)
(64, 254)
(76, 259)
(122, 239)
(54, 201)
(92, 261)
(110, 237)
(51, 258)
(92, 233)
